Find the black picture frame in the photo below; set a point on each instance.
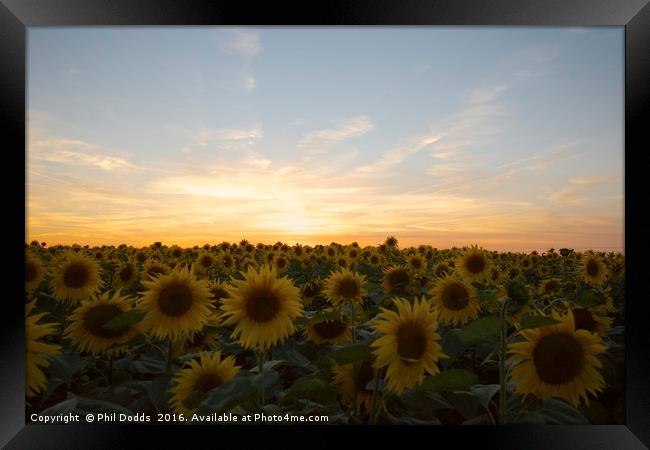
(634, 15)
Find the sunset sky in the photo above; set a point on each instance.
(508, 137)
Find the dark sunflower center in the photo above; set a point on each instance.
(141, 257)
(353, 254)
(348, 288)
(76, 275)
(374, 259)
(206, 261)
(525, 263)
(330, 329)
(592, 268)
(175, 299)
(126, 273)
(30, 272)
(416, 263)
(455, 297)
(198, 339)
(330, 251)
(550, 286)
(365, 374)
(207, 382)
(281, 263)
(399, 279)
(177, 252)
(262, 305)
(584, 320)
(98, 316)
(411, 341)
(558, 358)
(475, 263)
(312, 290)
(227, 261)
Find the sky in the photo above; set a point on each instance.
(510, 138)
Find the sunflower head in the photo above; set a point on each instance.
(397, 279)
(558, 361)
(154, 268)
(328, 330)
(87, 325)
(474, 264)
(345, 287)
(354, 384)
(201, 376)
(391, 242)
(262, 307)
(455, 300)
(203, 263)
(409, 345)
(76, 277)
(34, 272)
(417, 263)
(593, 269)
(37, 351)
(125, 275)
(176, 304)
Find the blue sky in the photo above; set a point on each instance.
(508, 137)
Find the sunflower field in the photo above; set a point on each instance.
(344, 333)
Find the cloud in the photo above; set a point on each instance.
(76, 152)
(241, 42)
(228, 138)
(486, 94)
(576, 191)
(319, 142)
(398, 154)
(249, 82)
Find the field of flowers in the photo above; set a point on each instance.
(379, 334)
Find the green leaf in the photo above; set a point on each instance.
(485, 329)
(232, 393)
(536, 322)
(193, 400)
(450, 380)
(124, 320)
(268, 365)
(312, 387)
(351, 353)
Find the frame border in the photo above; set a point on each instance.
(17, 15)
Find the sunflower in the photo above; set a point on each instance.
(396, 279)
(374, 259)
(409, 345)
(455, 300)
(519, 297)
(558, 361)
(203, 263)
(391, 242)
(473, 264)
(322, 330)
(355, 385)
(593, 269)
(34, 272)
(442, 269)
(86, 325)
(262, 307)
(586, 319)
(36, 351)
(76, 278)
(549, 286)
(154, 268)
(280, 262)
(202, 376)
(417, 263)
(227, 261)
(175, 252)
(345, 287)
(176, 304)
(125, 275)
(219, 292)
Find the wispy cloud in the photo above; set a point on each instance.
(227, 138)
(577, 190)
(76, 152)
(321, 141)
(486, 94)
(398, 154)
(241, 42)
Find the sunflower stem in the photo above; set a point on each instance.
(169, 356)
(502, 362)
(260, 369)
(374, 409)
(110, 370)
(354, 324)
